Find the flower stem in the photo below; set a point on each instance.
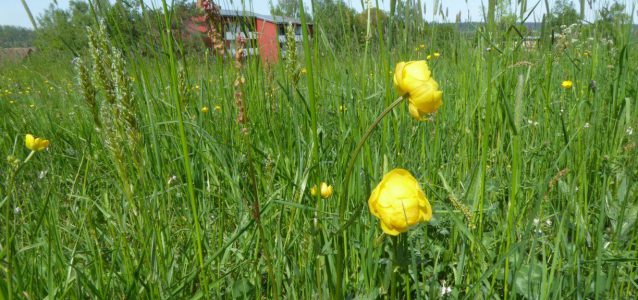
(355, 153)
(393, 265)
(340, 243)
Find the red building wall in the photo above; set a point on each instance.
(267, 41)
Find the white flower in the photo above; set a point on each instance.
(629, 131)
(586, 125)
(536, 222)
(17, 210)
(445, 289)
(548, 222)
(172, 179)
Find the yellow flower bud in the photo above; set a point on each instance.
(567, 84)
(414, 79)
(325, 190)
(205, 109)
(35, 144)
(218, 108)
(399, 202)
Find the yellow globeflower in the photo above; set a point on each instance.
(567, 84)
(325, 190)
(399, 202)
(204, 109)
(414, 79)
(35, 144)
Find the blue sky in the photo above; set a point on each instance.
(12, 11)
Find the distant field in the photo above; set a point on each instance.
(175, 174)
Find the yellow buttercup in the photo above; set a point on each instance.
(414, 80)
(325, 190)
(399, 202)
(35, 144)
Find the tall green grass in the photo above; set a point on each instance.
(533, 186)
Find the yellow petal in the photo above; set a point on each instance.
(398, 78)
(389, 230)
(427, 99)
(417, 70)
(414, 112)
(29, 141)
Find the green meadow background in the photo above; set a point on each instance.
(143, 194)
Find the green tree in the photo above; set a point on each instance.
(563, 13)
(15, 37)
(612, 19)
(287, 8)
(62, 30)
(336, 20)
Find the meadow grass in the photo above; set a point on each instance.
(533, 186)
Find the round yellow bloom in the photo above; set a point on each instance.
(414, 79)
(205, 109)
(567, 84)
(35, 144)
(218, 108)
(429, 57)
(399, 202)
(436, 54)
(325, 190)
(304, 71)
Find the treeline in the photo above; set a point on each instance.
(137, 27)
(15, 37)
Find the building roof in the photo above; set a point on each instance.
(273, 19)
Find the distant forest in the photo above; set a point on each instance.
(15, 37)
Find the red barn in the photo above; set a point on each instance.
(265, 35)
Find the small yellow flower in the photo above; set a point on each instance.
(567, 84)
(205, 109)
(218, 108)
(414, 81)
(342, 108)
(437, 54)
(422, 46)
(32, 105)
(304, 71)
(399, 202)
(325, 190)
(417, 49)
(429, 57)
(35, 144)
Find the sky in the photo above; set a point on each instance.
(12, 12)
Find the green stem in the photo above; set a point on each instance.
(340, 244)
(9, 228)
(185, 152)
(355, 153)
(393, 264)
